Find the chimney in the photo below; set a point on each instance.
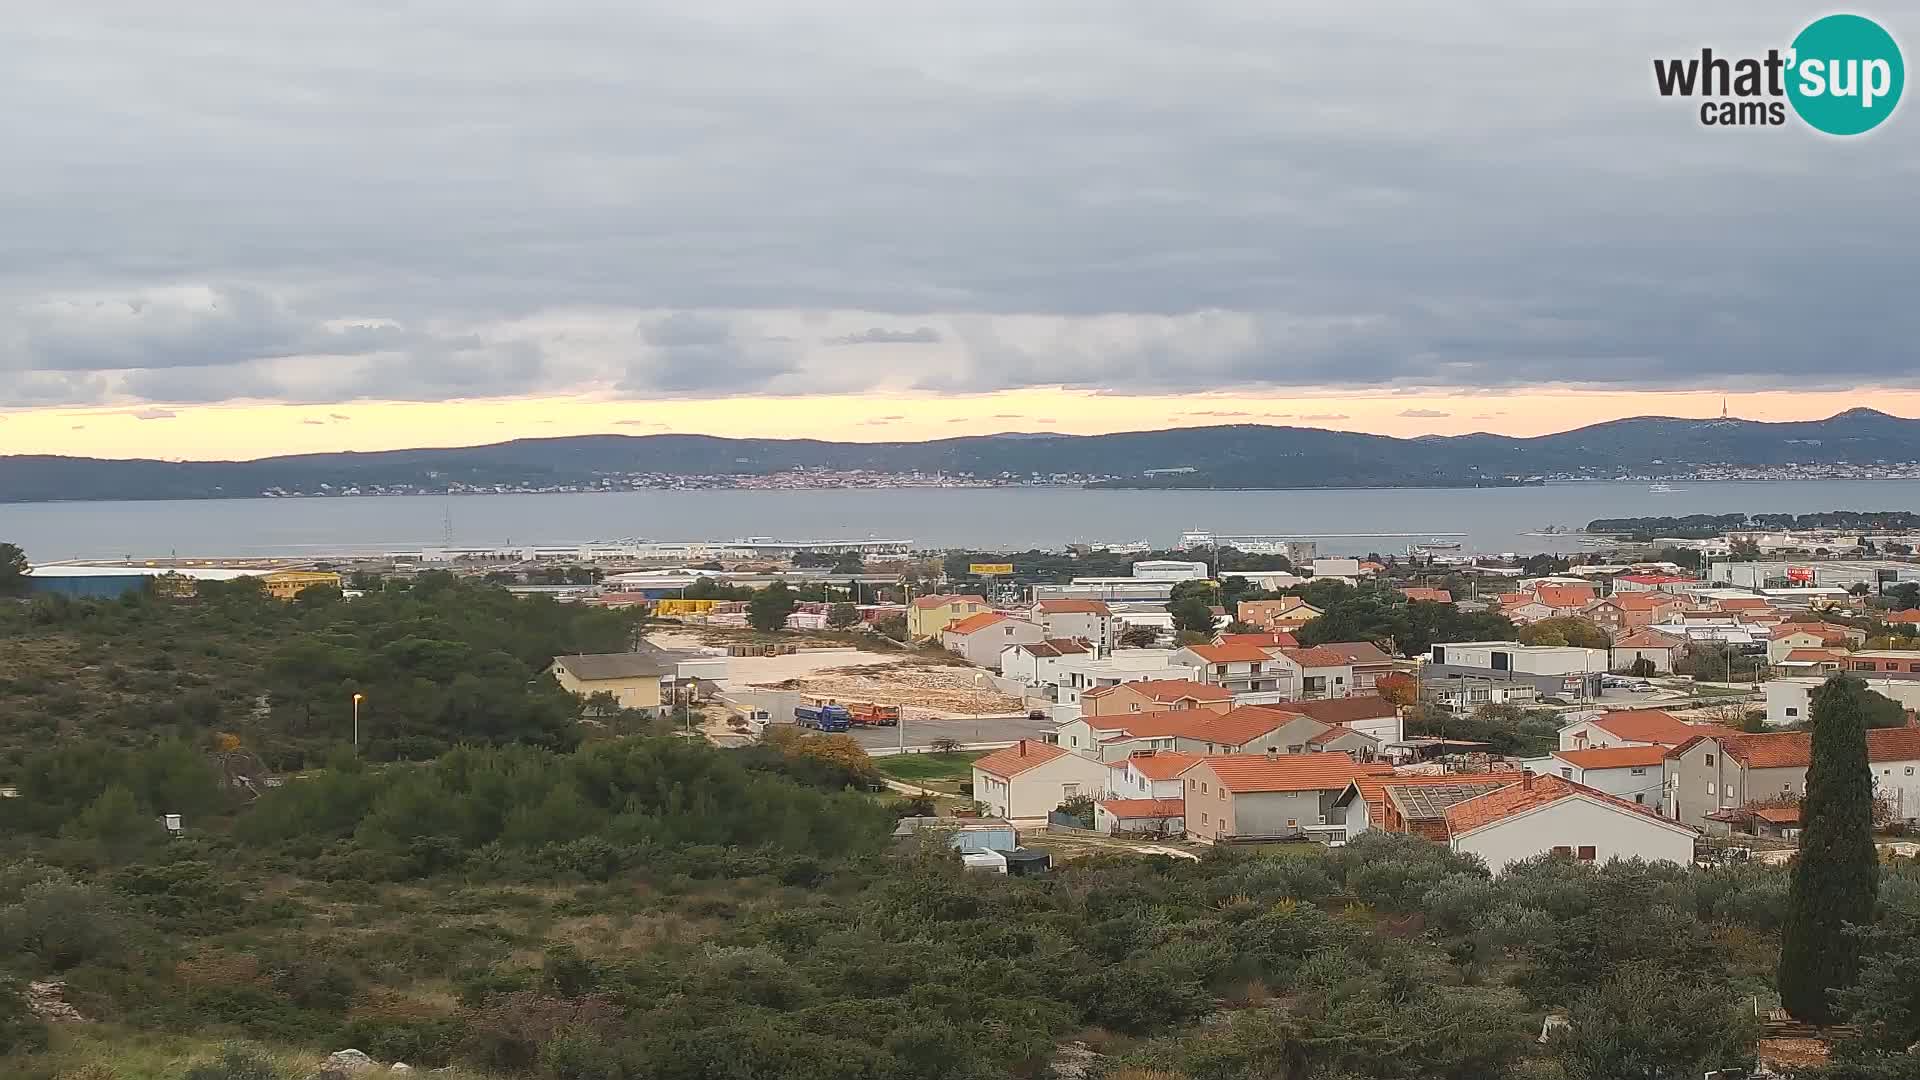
(1273, 754)
(1023, 748)
(1526, 780)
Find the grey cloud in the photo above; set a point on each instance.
(638, 423)
(1326, 416)
(315, 423)
(1424, 414)
(154, 414)
(1218, 412)
(338, 416)
(1008, 416)
(925, 335)
(1005, 167)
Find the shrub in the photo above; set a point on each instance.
(20, 1030)
(236, 1062)
(61, 925)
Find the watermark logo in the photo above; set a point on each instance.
(1842, 75)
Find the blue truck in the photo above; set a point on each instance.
(823, 717)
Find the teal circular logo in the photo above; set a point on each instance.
(1846, 75)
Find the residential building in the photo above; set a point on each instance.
(928, 615)
(1244, 730)
(632, 679)
(1812, 662)
(1369, 714)
(1411, 803)
(1031, 779)
(1627, 727)
(1790, 700)
(1910, 617)
(1637, 774)
(1729, 770)
(1091, 621)
(1112, 590)
(1344, 569)
(1078, 674)
(1037, 663)
(1286, 613)
(1528, 611)
(1154, 695)
(1629, 583)
(1145, 817)
(1552, 815)
(981, 638)
(1652, 646)
(1366, 659)
(1623, 613)
(1315, 673)
(1432, 596)
(1261, 796)
(1169, 570)
(1242, 669)
(1565, 599)
(1787, 637)
(287, 584)
(1885, 661)
(1149, 774)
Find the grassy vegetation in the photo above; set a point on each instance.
(930, 770)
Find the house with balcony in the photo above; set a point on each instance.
(1316, 672)
(1266, 796)
(1244, 670)
(1091, 621)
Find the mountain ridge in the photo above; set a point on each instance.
(1243, 456)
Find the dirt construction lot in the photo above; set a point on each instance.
(925, 688)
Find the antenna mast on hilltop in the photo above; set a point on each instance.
(1723, 407)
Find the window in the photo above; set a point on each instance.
(1136, 708)
(1792, 711)
(1203, 817)
(1567, 773)
(1640, 798)
(1069, 791)
(1073, 740)
(1292, 823)
(1909, 770)
(1203, 788)
(1639, 771)
(1709, 761)
(1223, 794)
(1562, 849)
(1586, 853)
(1709, 787)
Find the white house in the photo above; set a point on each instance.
(1652, 646)
(1030, 779)
(1314, 673)
(981, 638)
(1148, 774)
(1251, 672)
(1336, 568)
(1548, 814)
(1637, 774)
(1522, 659)
(1075, 675)
(1091, 621)
(1037, 663)
(1150, 817)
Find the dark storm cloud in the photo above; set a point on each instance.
(925, 335)
(370, 199)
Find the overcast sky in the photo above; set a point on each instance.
(279, 218)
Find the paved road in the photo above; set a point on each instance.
(985, 730)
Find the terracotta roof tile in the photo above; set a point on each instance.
(1054, 647)
(1357, 652)
(1372, 786)
(1646, 726)
(1230, 654)
(1134, 809)
(1175, 689)
(1344, 710)
(1649, 639)
(1614, 757)
(1235, 726)
(1254, 773)
(1018, 758)
(975, 623)
(1315, 657)
(1564, 596)
(1527, 795)
(1437, 596)
(1073, 607)
(1277, 639)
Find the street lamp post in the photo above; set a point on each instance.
(356, 721)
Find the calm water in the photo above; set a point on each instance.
(1492, 520)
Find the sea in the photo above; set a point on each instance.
(1356, 521)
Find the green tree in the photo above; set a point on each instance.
(13, 570)
(850, 562)
(1192, 614)
(1645, 1021)
(1643, 668)
(115, 825)
(1836, 875)
(768, 609)
(1139, 637)
(841, 616)
(1566, 630)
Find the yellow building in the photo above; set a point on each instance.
(287, 584)
(674, 606)
(632, 678)
(927, 616)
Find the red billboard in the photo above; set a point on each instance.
(1800, 574)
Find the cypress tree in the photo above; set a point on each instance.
(1838, 872)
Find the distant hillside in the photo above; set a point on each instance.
(1241, 456)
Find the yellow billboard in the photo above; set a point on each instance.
(989, 569)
